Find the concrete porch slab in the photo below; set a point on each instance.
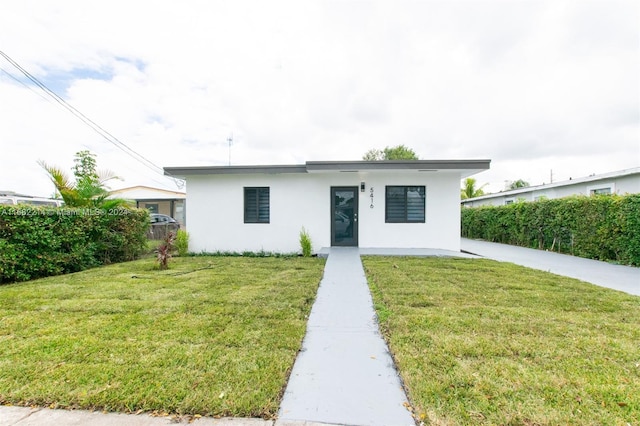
(390, 251)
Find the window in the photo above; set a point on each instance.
(405, 204)
(600, 191)
(256, 205)
(602, 188)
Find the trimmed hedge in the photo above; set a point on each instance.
(604, 227)
(37, 242)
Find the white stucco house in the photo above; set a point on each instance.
(369, 204)
(620, 182)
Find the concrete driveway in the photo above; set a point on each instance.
(617, 277)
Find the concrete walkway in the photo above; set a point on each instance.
(617, 277)
(344, 373)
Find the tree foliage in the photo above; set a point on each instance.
(89, 188)
(516, 184)
(469, 189)
(398, 152)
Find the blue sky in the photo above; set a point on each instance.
(59, 81)
(533, 85)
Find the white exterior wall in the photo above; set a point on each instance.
(216, 211)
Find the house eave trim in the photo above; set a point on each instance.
(337, 166)
(418, 165)
(223, 170)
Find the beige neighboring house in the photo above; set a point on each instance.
(156, 200)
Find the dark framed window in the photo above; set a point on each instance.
(256, 205)
(405, 204)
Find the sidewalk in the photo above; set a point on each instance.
(25, 416)
(617, 277)
(344, 373)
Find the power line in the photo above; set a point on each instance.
(90, 123)
(23, 84)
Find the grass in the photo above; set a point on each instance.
(479, 342)
(210, 336)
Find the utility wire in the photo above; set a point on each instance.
(90, 123)
(24, 84)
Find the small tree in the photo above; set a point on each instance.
(518, 184)
(89, 188)
(165, 250)
(398, 152)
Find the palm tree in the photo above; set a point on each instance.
(469, 190)
(89, 189)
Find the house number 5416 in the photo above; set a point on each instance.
(371, 196)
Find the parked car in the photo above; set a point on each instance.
(164, 220)
(161, 225)
(34, 201)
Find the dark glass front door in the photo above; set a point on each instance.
(344, 216)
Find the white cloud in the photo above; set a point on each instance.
(534, 85)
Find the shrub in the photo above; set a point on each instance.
(41, 241)
(605, 227)
(305, 243)
(182, 242)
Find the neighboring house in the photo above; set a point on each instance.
(372, 204)
(620, 182)
(156, 200)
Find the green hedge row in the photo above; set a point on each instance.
(605, 227)
(42, 241)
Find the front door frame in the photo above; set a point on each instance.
(356, 192)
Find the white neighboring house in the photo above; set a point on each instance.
(621, 182)
(372, 204)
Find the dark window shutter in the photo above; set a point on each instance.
(263, 205)
(256, 205)
(395, 204)
(415, 203)
(405, 204)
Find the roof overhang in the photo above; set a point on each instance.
(232, 170)
(464, 167)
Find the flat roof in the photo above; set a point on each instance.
(545, 186)
(472, 166)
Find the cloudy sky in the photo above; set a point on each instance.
(536, 86)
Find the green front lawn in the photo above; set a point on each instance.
(479, 342)
(211, 336)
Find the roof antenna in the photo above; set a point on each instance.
(230, 141)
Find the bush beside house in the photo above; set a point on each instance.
(37, 242)
(603, 227)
